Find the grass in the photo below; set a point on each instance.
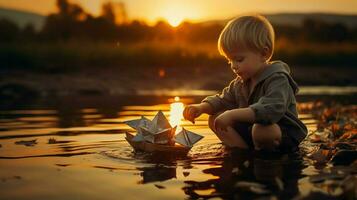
(75, 56)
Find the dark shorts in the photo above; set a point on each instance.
(287, 145)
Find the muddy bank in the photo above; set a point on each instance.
(117, 81)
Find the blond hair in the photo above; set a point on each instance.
(251, 32)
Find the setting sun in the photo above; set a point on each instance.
(174, 21)
(175, 13)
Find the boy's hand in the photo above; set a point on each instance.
(192, 111)
(224, 120)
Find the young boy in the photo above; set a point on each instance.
(258, 108)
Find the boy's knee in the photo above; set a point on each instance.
(266, 136)
(211, 120)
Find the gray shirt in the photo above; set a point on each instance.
(272, 99)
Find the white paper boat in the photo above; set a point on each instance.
(187, 138)
(159, 123)
(136, 124)
(157, 131)
(164, 136)
(158, 135)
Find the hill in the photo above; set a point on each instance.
(296, 19)
(22, 18)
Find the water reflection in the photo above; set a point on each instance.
(87, 137)
(162, 167)
(176, 110)
(156, 173)
(279, 174)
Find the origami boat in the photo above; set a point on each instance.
(152, 147)
(158, 136)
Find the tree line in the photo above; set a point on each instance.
(72, 23)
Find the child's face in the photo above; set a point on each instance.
(246, 63)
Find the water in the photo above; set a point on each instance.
(74, 148)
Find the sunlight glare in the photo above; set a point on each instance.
(176, 116)
(174, 13)
(174, 21)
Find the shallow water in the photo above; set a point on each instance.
(74, 148)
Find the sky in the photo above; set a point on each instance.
(194, 10)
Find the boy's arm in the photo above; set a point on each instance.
(206, 108)
(230, 116)
(219, 102)
(243, 115)
(272, 106)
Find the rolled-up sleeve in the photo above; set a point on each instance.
(271, 107)
(223, 101)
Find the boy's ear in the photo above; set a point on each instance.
(265, 53)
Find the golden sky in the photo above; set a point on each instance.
(195, 10)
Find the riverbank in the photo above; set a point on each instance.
(126, 82)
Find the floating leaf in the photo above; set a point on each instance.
(27, 142)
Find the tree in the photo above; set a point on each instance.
(9, 31)
(321, 31)
(28, 33)
(114, 12)
(108, 12)
(66, 23)
(69, 10)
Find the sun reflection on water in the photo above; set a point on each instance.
(176, 116)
